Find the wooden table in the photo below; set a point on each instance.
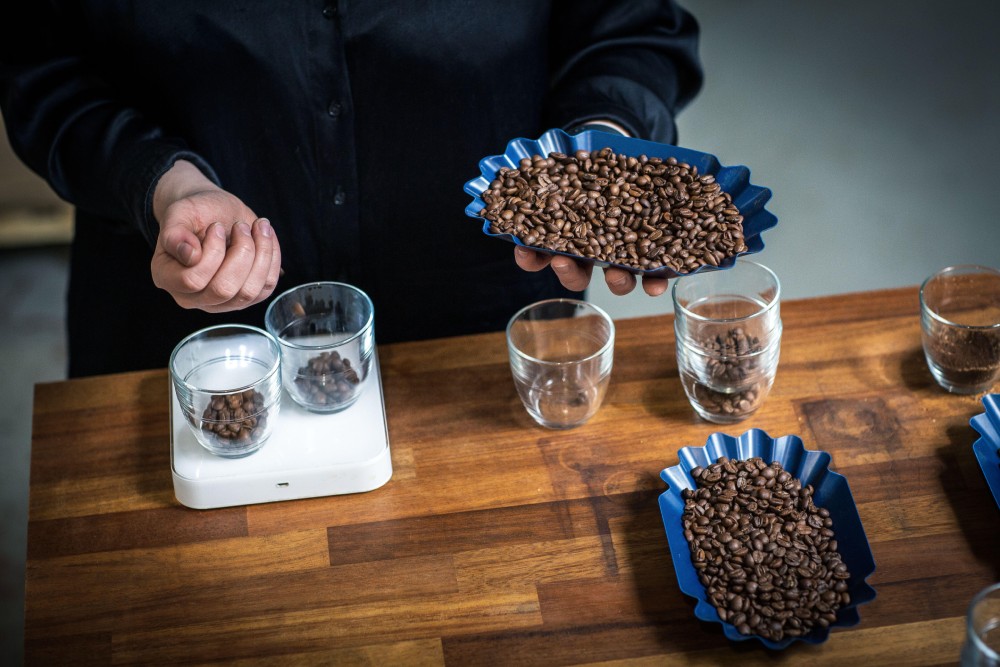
(498, 541)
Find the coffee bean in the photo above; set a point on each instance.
(731, 360)
(235, 420)
(327, 380)
(663, 201)
(777, 586)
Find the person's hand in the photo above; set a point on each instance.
(576, 276)
(212, 252)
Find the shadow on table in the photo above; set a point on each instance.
(914, 372)
(970, 497)
(151, 459)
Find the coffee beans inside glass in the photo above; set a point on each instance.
(326, 332)
(727, 326)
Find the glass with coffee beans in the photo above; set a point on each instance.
(327, 338)
(727, 326)
(227, 380)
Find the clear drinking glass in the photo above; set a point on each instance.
(561, 353)
(227, 379)
(960, 327)
(327, 336)
(982, 627)
(727, 326)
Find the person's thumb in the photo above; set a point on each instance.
(181, 244)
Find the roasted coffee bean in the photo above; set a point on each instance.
(235, 420)
(327, 380)
(679, 218)
(728, 368)
(778, 586)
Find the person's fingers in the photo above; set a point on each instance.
(233, 272)
(182, 244)
(529, 260)
(654, 286)
(572, 275)
(254, 289)
(619, 281)
(263, 226)
(186, 284)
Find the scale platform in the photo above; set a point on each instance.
(308, 455)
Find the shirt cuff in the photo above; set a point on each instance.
(155, 158)
(601, 125)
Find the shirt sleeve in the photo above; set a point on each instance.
(75, 131)
(634, 63)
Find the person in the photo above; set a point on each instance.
(220, 153)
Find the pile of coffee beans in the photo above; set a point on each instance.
(327, 380)
(640, 212)
(728, 391)
(766, 554)
(236, 419)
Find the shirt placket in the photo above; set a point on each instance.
(341, 237)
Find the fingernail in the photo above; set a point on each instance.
(219, 230)
(184, 252)
(243, 228)
(265, 226)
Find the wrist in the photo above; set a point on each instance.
(602, 125)
(183, 179)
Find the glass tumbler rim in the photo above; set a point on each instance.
(769, 306)
(972, 635)
(273, 367)
(609, 343)
(321, 283)
(955, 268)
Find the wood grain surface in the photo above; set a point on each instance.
(498, 541)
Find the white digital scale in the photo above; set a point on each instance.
(307, 455)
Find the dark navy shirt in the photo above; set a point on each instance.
(351, 126)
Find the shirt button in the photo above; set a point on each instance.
(330, 12)
(339, 198)
(334, 109)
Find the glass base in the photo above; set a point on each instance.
(974, 381)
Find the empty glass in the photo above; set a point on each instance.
(960, 327)
(982, 640)
(561, 353)
(327, 336)
(727, 326)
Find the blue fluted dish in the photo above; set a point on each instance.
(748, 198)
(830, 491)
(985, 448)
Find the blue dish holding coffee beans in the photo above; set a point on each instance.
(766, 538)
(985, 448)
(651, 209)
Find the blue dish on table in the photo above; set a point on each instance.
(748, 198)
(830, 491)
(985, 448)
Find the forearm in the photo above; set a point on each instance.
(634, 65)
